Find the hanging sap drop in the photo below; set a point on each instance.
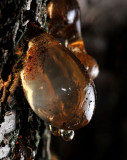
(65, 24)
(67, 135)
(64, 18)
(56, 85)
(88, 61)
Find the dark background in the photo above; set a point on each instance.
(104, 29)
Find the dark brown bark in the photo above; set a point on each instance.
(20, 129)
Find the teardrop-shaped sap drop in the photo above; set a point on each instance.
(64, 18)
(65, 24)
(67, 135)
(77, 47)
(56, 85)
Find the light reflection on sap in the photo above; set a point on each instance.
(71, 15)
(28, 90)
(64, 89)
(89, 102)
(50, 9)
(94, 71)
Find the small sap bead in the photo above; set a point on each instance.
(89, 62)
(67, 135)
(64, 18)
(56, 85)
(69, 33)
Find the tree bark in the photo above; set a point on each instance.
(20, 129)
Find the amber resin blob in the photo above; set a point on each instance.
(88, 61)
(56, 84)
(65, 24)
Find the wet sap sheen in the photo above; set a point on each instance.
(65, 24)
(56, 84)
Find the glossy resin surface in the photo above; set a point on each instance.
(56, 84)
(65, 24)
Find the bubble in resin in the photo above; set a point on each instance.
(56, 85)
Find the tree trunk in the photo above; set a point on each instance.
(20, 129)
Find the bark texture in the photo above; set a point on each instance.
(20, 129)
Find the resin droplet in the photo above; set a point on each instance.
(55, 131)
(65, 24)
(56, 85)
(89, 62)
(67, 135)
(64, 18)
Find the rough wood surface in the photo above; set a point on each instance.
(20, 129)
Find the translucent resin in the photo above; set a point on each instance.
(89, 62)
(65, 24)
(56, 84)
